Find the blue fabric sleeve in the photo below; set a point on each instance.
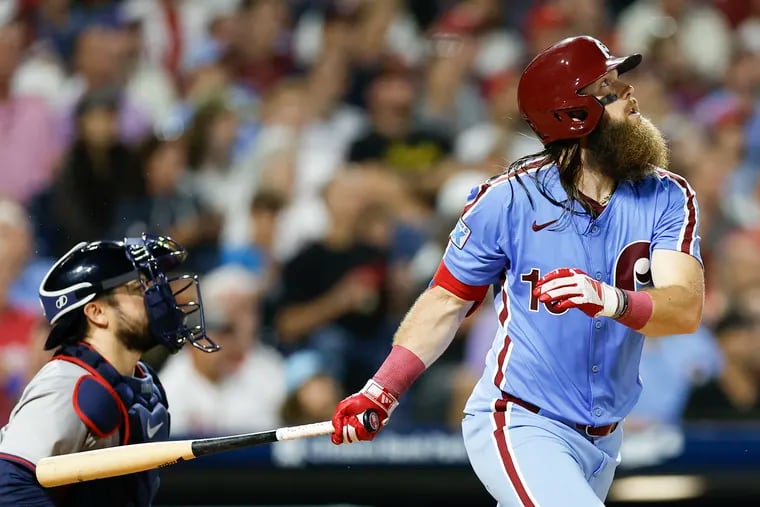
(19, 486)
(476, 253)
(678, 225)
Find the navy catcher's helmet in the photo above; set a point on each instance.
(90, 269)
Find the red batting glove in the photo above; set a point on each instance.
(346, 423)
(566, 288)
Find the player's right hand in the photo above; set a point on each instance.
(566, 288)
(346, 421)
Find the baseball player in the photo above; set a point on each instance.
(107, 303)
(589, 246)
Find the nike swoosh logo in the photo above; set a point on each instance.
(152, 430)
(538, 227)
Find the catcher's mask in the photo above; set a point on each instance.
(172, 302)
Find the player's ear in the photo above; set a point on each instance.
(95, 311)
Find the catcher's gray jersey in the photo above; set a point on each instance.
(45, 422)
(79, 402)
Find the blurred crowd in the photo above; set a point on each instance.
(313, 155)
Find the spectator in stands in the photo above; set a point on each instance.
(370, 34)
(207, 84)
(164, 206)
(504, 135)
(545, 23)
(97, 171)
(257, 57)
(735, 275)
(58, 24)
(242, 387)
(450, 101)
(394, 141)
(17, 324)
(30, 266)
(365, 32)
(101, 62)
(311, 391)
(149, 84)
(735, 393)
(29, 147)
(333, 293)
(171, 30)
(257, 255)
(332, 128)
(748, 52)
(590, 17)
(211, 138)
(317, 150)
(325, 30)
(270, 161)
(649, 26)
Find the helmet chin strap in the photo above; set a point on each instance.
(608, 99)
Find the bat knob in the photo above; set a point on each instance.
(371, 421)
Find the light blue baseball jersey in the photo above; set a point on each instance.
(576, 368)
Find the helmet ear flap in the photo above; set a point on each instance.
(582, 117)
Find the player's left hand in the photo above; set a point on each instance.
(346, 421)
(566, 288)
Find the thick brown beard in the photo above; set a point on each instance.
(133, 335)
(626, 150)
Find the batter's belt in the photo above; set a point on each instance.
(589, 430)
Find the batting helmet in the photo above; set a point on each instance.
(90, 269)
(547, 93)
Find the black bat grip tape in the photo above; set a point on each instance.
(371, 420)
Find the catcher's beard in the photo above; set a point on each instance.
(133, 334)
(626, 150)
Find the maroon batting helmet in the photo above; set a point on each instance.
(547, 94)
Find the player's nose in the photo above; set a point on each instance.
(627, 92)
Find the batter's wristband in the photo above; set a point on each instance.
(380, 395)
(399, 370)
(639, 310)
(622, 303)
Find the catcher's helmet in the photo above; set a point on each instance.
(90, 269)
(547, 94)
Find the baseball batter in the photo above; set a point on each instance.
(107, 302)
(589, 246)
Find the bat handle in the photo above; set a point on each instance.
(370, 419)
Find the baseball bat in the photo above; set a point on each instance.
(126, 459)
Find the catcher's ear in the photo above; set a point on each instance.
(95, 312)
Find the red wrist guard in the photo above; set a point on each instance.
(638, 311)
(399, 370)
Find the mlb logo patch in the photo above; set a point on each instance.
(460, 234)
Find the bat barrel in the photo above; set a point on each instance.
(110, 462)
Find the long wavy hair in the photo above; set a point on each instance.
(566, 155)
